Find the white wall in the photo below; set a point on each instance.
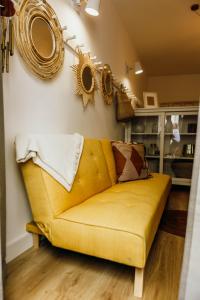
(176, 88)
(35, 106)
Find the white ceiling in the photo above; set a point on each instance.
(165, 33)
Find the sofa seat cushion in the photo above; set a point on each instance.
(118, 224)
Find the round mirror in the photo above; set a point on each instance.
(39, 37)
(43, 38)
(87, 79)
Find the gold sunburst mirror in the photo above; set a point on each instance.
(107, 84)
(85, 78)
(39, 38)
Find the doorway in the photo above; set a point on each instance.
(2, 191)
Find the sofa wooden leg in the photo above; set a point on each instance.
(36, 241)
(138, 285)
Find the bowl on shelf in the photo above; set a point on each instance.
(182, 168)
(139, 128)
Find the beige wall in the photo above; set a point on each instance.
(34, 106)
(189, 285)
(176, 88)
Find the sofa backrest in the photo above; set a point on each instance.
(48, 198)
(107, 150)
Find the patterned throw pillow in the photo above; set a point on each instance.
(130, 161)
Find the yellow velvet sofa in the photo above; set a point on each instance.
(99, 217)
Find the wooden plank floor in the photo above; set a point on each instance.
(54, 274)
(179, 198)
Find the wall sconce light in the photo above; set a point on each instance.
(92, 7)
(77, 2)
(137, 68)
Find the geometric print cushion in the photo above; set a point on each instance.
(130, 161)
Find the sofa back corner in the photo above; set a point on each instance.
(110, 161)
(48, 198)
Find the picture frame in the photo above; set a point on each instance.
(150, 100)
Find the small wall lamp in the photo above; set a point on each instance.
(91, 8)
(137, 68)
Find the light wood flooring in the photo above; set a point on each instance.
(179, 198)
(55, 274)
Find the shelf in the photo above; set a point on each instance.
(169, 134)
(181, 133)
(145, 133)
(181, 181)
(152, 156)
(141, 112)
(178, 157)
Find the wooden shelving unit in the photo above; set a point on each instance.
(181, 181)
(165, 141)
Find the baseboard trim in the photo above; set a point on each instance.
(17, 246)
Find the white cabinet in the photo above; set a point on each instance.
(169, 136)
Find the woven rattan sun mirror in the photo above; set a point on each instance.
(39, 38)
(107, 84)
(85, 77)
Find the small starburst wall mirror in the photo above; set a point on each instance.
(85, 78)
(107, 84)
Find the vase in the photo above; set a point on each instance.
(139, 128)
(154, 128)
(168, 126)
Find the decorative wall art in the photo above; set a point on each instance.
(39, 38)
(124, 106)
(7, 12)
(150, 100)
(85, 78)
(106, 84)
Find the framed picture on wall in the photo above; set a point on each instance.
(150, 100)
